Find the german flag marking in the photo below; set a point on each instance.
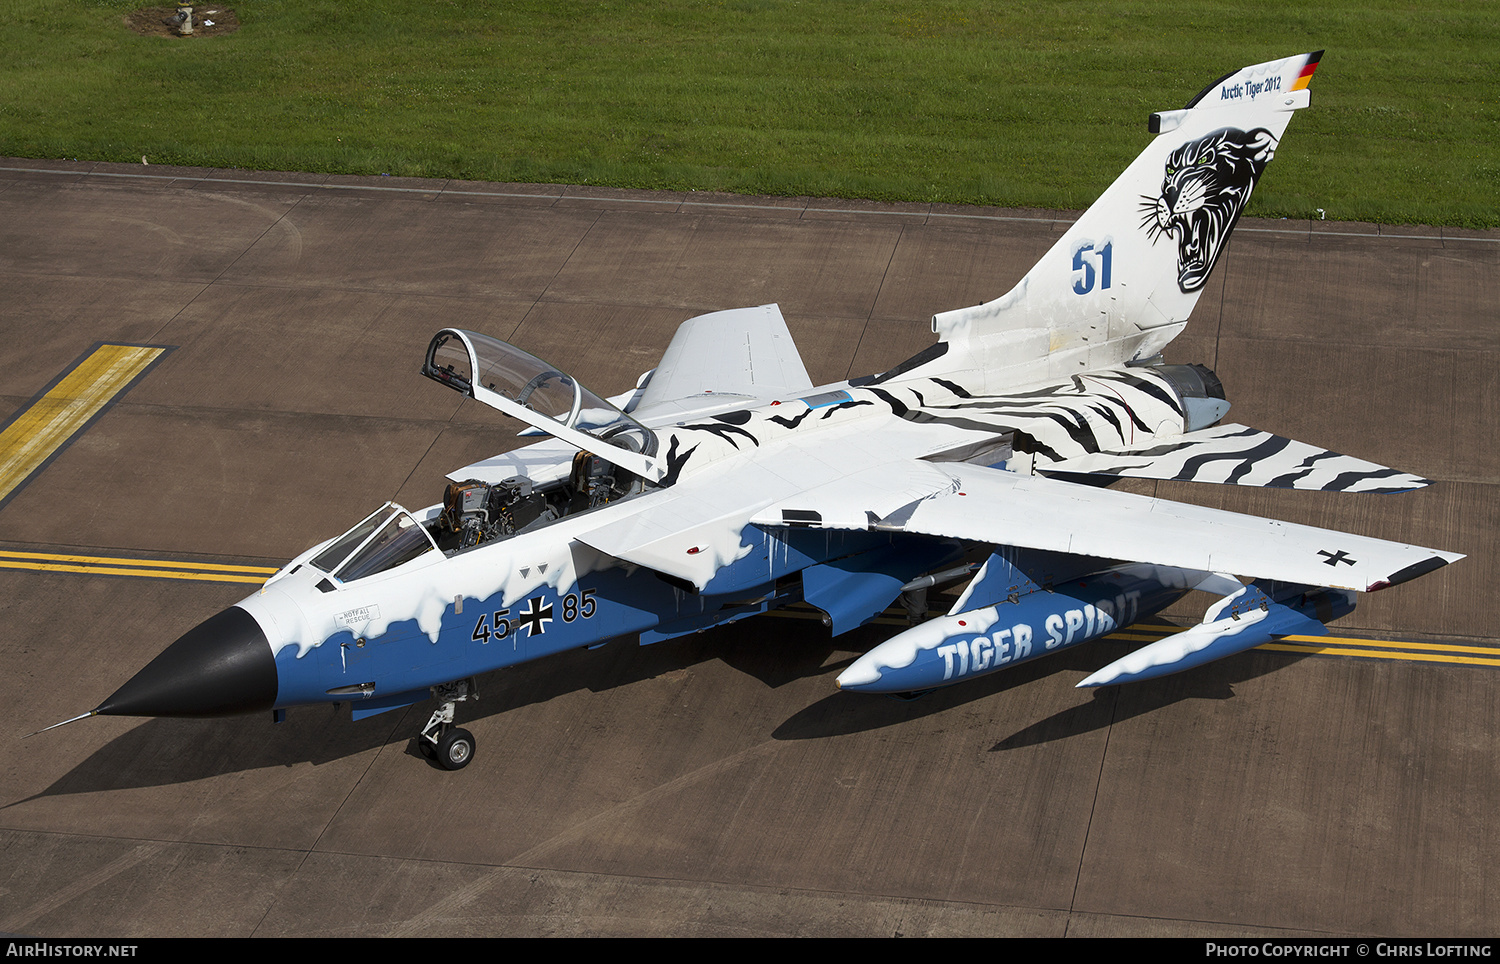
(1305, 78)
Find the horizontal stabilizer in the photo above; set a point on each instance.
(1236, 455)
(1236, 623)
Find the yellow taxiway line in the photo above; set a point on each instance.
(40, 430)
(123, 566)
(1394, 649)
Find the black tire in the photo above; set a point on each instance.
(455, 749)
(426, 747)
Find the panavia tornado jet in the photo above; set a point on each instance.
(726, 485)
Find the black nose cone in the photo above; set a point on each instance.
(221, 667)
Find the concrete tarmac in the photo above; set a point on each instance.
(715, 785)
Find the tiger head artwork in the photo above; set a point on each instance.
(1207, 183)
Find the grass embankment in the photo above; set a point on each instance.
(1026, 104)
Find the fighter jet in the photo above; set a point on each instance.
(726, 485)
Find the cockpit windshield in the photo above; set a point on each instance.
(385, 539)
(480, 366)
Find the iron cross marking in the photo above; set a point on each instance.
(1334, 558)
(536, 617)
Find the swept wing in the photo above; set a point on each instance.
(987, 505)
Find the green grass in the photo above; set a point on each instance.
(1027, 104)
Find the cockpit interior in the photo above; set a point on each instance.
(474, 512)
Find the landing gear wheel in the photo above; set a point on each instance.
(455, 749)
(440, 740)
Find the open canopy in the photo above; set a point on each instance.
(521, 385)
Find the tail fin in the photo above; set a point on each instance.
(1122, 281)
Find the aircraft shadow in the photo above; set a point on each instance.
(1116, 704)
(161, 752)
(775, 652)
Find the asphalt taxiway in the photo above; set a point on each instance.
(715, 785)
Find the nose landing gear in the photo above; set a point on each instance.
(452, 747)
